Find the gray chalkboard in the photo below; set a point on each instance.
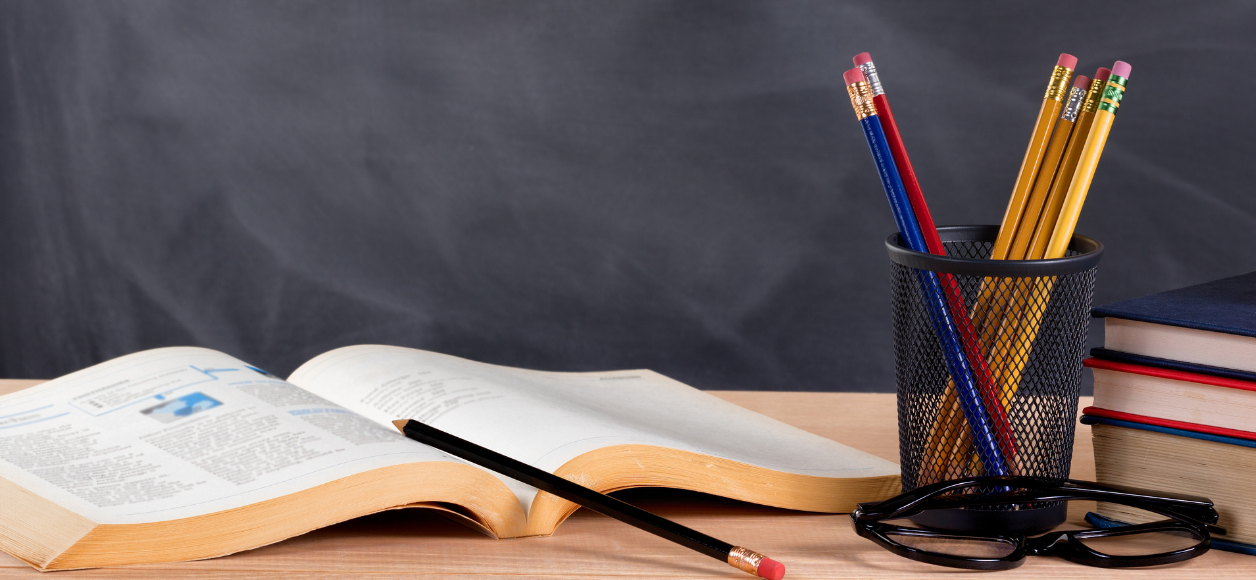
(680, 186)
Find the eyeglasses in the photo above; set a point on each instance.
(1185, 533)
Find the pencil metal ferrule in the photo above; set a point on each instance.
(1075, 97)
(1057, 90)
(861, 99)
(745, 560)
(870, 71)
(1112, 93)
(1092, 96)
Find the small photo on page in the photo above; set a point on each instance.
(181, 407)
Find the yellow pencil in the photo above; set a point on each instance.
(938, 456)
(1052, 102)
(960, 448)
(1057, 247)
(1108, 104)
(1057, 90)
(1002, 353)
(1037, 246)
(995, 349)
(1050, 165)
(1068, 167)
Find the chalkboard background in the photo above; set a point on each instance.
(680, 186)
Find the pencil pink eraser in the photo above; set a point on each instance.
(770, 569)
(1067, 61)
(862, 58)
(1081, 82)
(853, 76)
(1122, 69)
(1103, 73)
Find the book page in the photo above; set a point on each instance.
(180, 432)
(546, 419)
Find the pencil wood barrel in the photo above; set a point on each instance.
(1034, 352)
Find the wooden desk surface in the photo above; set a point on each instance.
(408, 543)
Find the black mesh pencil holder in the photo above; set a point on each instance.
(1016, 341)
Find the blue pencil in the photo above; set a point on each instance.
(935, 300)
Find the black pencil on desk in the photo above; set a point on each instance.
(736, 556)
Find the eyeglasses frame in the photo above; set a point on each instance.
(1188, 513)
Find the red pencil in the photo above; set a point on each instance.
(954, 298)
(927, 228)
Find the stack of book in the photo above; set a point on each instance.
(1175, 400)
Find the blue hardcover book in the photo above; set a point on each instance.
(1190, 479)
(1215, 438)
(1209, 328)
(1227, 306)
(1164, 363)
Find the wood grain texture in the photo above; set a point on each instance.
(408, 543)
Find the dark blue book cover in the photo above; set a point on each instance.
(1227, 305)
(1151, 361)
(1093, 420)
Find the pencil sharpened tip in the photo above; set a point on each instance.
(400, 424)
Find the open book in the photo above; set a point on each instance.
(187, 453)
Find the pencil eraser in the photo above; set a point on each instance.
(853, 76)
(1067, 61)
(862, 58)
(1122, 69)
(1103, 73)
(770, 569)
(1081, 82)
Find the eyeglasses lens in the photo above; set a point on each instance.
(1144, 543)
(955, 546)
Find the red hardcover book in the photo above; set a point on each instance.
(1208, 401)
(1172, 374)
(1170, 423)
